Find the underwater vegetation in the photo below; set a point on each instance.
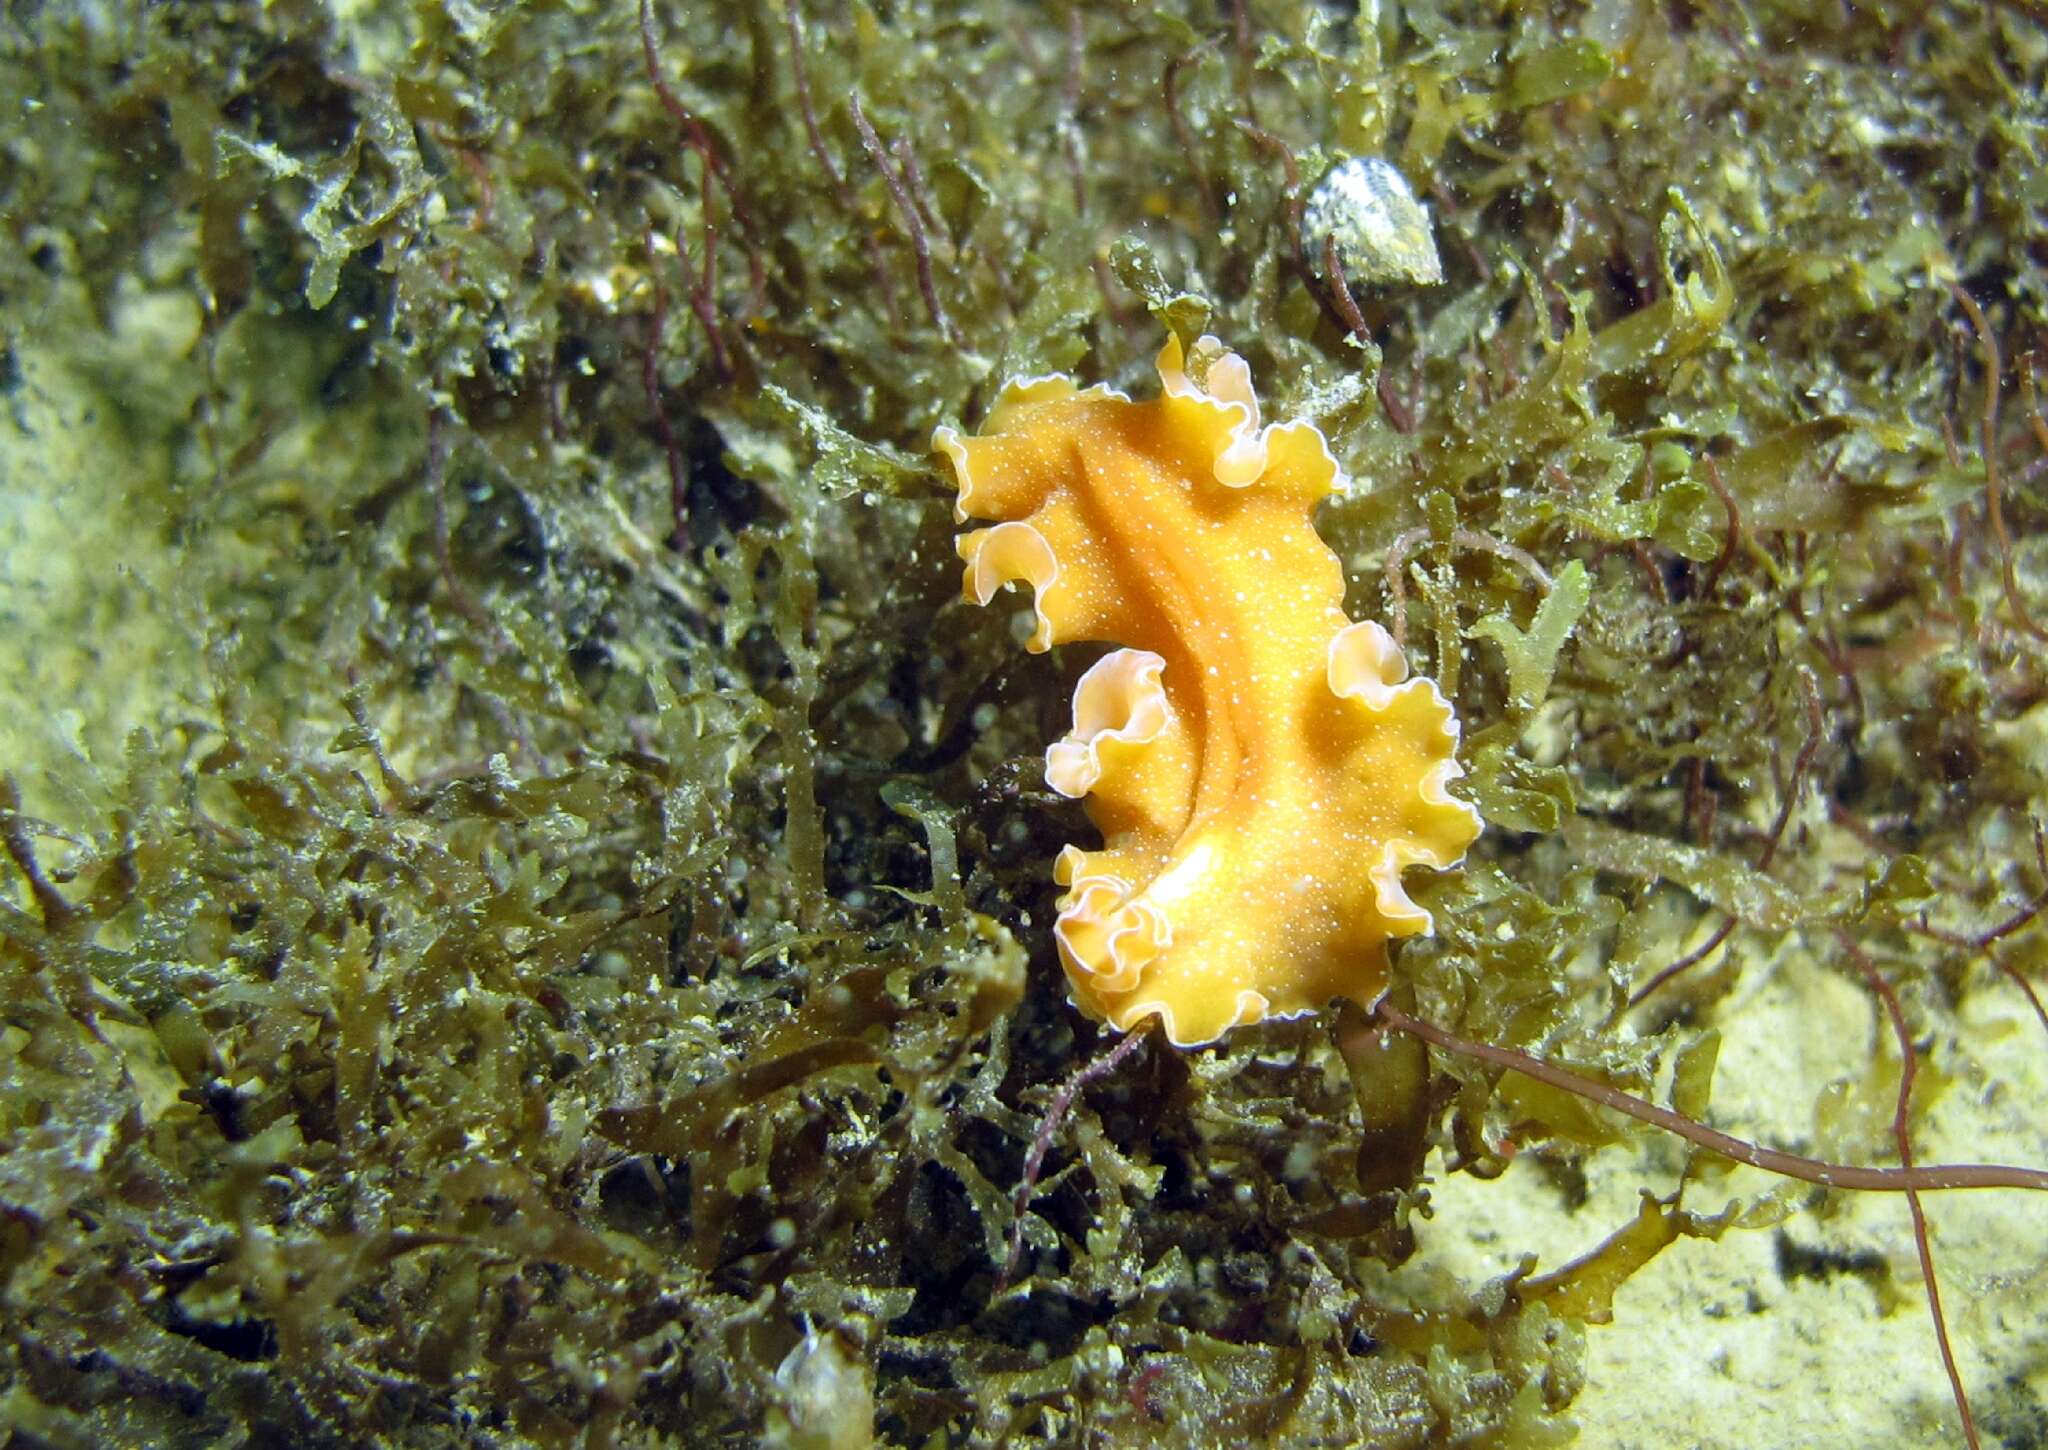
(528, 911)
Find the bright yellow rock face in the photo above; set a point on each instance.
(1259, 770)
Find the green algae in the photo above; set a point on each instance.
(528, 918)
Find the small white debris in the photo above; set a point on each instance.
(824, 1398)
(1384, 236)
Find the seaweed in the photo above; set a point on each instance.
(526, 905)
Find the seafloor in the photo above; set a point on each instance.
(525, 907)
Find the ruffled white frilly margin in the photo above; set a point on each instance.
(1227, 387)
(1109, 930)
(1366, 665)
(1015, 551)
(1120, 707)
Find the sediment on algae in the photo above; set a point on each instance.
(527, 915)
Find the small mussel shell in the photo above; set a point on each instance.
(1384, 236)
